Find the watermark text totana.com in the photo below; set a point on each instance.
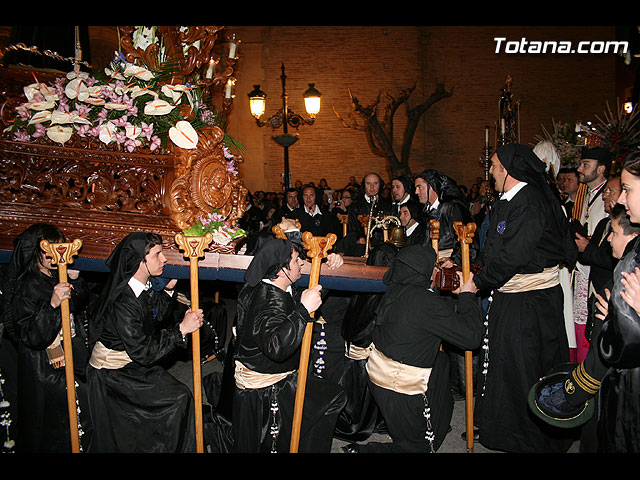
(552, 46)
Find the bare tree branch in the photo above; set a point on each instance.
(379, 124)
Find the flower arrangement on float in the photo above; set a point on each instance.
(223, 233)
(566, 139)
(125, 105)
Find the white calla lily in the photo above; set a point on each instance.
(40, 105)
(184, 135)
(132, 131)
(174, 92)
(115, 106)
(106, 132)
(40, 117)
(59, 134)
(138, 72)
(73, 75)
(95, 101)
(138, 92)
(31, 90)
(58, 117)
(158, 107)
(76, 88)
(114, 74)
(221, 237)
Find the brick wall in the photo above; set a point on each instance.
(367, 59)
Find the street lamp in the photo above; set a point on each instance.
(284, 117)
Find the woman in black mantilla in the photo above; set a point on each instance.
(136, 405)
(32, 316)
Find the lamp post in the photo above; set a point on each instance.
(284, 117)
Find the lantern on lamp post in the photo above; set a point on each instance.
(284, 118)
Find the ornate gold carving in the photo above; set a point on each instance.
(203, 183)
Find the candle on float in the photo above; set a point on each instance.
(232, 47)
(209, 73)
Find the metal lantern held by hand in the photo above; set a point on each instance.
(62, 255)
(193, 248)
(318, 248)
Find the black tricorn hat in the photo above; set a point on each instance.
(551, 399)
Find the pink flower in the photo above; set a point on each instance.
(40, 131)
(131, 144)
(21, 136)
(155, 143)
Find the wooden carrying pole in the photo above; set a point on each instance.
(193, 248)
(318, 248)
(62, 255)
(434, 229)
(465, 237)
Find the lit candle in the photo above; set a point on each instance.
(228, 88)
(232, 46)
(502, 127)
(209, 73)
(486, 136)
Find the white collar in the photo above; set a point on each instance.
(435, 204)
(512, 191)
(591, 190)
(137, 286)
(403, 201)
(315, 212)
(367, 198)
(289, 290)
(410, 230)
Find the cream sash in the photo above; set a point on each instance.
(524, 282)
(103, 357)
(357, 353)
(399, 377)
(55, 351)
(246, 378)
(445, 253)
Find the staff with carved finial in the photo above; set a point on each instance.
(434, 229)
(62, 255)
(318, 248)
(193, 248)
(465, 237)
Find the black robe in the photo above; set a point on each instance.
(355, 230)
(43, 417)
(141, 407)
(270, 325)
(411, 324)
(320, 225)
(526, 333)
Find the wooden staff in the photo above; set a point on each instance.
(344, 220)
(465, 237)
(318, 248)
(434, 228)
(194, 248)
(280, 233)
(62, 255)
